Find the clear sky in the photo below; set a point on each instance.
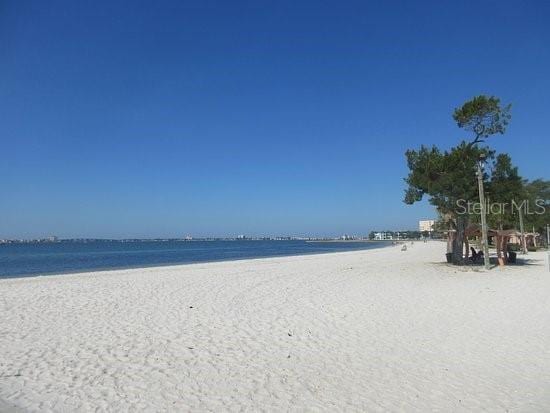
(146, 119)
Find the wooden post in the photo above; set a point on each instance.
(484, 239)
(523, 243)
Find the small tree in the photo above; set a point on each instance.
(449, 178)
(538, 195)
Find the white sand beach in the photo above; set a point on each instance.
(376, 330)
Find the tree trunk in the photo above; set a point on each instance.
(458, 241)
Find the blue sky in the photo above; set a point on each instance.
(146, 119)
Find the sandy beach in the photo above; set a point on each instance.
(376, 330)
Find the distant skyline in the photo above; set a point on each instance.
(144, 120)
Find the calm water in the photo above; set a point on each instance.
(18, 260)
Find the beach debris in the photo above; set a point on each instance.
(289, 334)
(190, 306)
(15, 375)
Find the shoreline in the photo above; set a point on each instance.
(176, 264)
(367, 330)
(362, 240)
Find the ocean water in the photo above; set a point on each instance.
(19, 260)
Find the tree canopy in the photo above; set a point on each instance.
(484, 116)
(447, 177)
(505, 186)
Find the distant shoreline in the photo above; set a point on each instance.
(363, 240)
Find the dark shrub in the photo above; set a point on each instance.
(513, 247)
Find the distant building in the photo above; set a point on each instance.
(346, 237)
(380, 236)
(426, 225)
